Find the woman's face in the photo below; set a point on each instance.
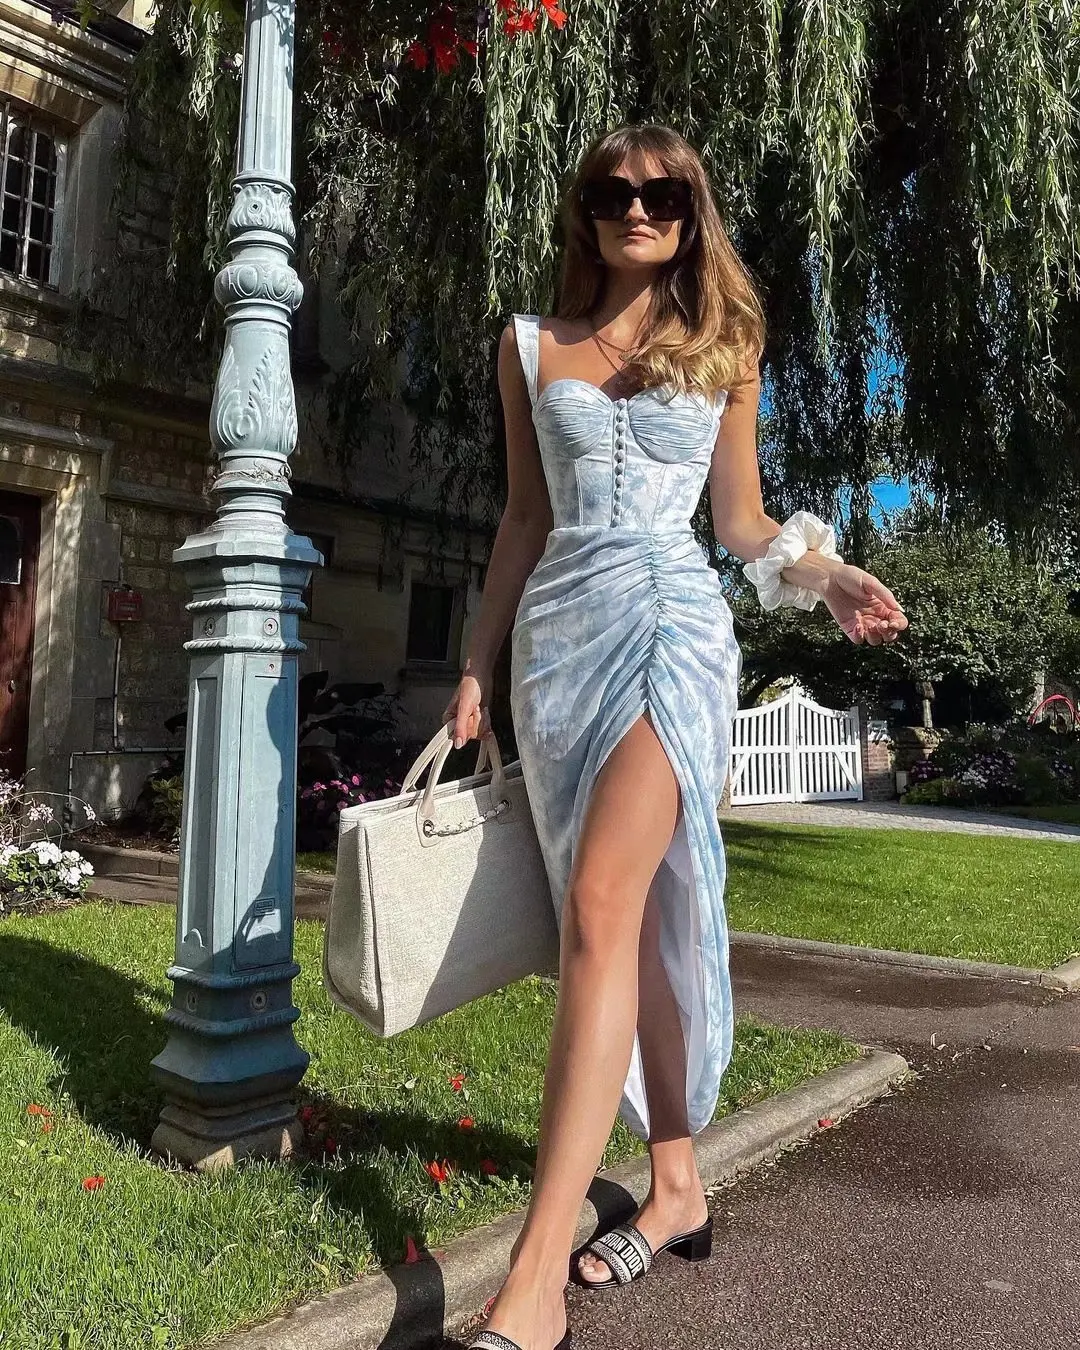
(637, 241)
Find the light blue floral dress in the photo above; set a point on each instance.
(623, 614)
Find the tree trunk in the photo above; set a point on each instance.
(926, 689)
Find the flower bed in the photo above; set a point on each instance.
(1012, 765)
(35, 874)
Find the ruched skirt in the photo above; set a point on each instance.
(612, 623)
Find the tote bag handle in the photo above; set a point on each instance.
(433, 757)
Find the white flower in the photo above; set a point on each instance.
(46, 851)
(90, 814)
(71, 877)
(8, 852)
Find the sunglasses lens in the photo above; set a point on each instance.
(662, 198)
(606, 198)
(667, 198)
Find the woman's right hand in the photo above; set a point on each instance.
(468, 709)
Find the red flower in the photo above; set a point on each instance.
(554, 13)
(46, 1127)
(825, 1122)
(333, 44)
(34, 1110)
(445, 57)
(93, 1183)
(489, 1168)
(411, 1254)
(470, 46)
(527, 20)
(506, 6)
(416, 55)
(329, 1145)
(439, 1172)
(457, 1081)
(466, 1123)
(306, 1113)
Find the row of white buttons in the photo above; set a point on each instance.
(620, 457)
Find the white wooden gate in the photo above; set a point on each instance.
(794, 750)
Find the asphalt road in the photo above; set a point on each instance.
(944, 1217)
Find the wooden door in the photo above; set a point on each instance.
(20, 531)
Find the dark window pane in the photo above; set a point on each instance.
(14, 178)
(9, 253)
(431, 613)
(37, 223)
(35, 262)
(10, 552)
(41, 186)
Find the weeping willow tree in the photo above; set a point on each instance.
(901, 176)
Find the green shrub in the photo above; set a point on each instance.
(166, 805)
(942, 791)
(1036, 780)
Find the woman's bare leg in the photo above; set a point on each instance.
(630, 819)
(676, 1201)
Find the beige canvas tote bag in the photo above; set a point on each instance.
(440, 894)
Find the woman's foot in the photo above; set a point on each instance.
(661, 1217)
(530, 1312)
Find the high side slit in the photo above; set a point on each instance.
(621, 616)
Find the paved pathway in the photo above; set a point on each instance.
(896, 816)
(945, 1217)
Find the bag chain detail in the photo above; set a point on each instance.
(430, 829)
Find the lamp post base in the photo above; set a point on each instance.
(210, 1138)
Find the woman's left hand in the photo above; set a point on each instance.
(864, 608)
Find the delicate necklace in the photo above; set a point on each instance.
(603, 342)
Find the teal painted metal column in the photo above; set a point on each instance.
(232, 1063)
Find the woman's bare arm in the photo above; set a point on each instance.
(523, 529)
(739, 518)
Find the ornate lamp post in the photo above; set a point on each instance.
(231, 1062)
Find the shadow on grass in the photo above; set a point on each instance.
(105, 1028)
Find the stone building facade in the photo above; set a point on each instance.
(97, 490)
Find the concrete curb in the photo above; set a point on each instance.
(1064, 978)
(120, 863)
(409, 1306)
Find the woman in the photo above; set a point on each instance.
(625, 681)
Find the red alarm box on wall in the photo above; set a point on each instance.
(124, 605)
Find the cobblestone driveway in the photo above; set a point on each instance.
(895, 816)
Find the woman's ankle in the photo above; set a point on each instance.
(676, 1190)
(541, 1266)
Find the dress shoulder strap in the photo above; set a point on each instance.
(527, 331)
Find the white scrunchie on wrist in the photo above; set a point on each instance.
(800, 532)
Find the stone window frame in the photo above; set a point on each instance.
(458, 586)
(14, 112)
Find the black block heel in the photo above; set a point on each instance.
(696, 1246)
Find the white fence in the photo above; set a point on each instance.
(794, 750)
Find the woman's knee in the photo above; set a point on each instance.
(600, 914)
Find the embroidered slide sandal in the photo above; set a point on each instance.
(627, 1254)
(491, 1340)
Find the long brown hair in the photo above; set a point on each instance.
(705, 322)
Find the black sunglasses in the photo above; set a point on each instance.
(663, 198)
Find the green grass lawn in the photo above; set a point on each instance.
(316, 862)
(164, 1258)
(984, 898)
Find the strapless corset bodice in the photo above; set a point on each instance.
(638, 462)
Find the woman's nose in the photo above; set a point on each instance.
(636, 211)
